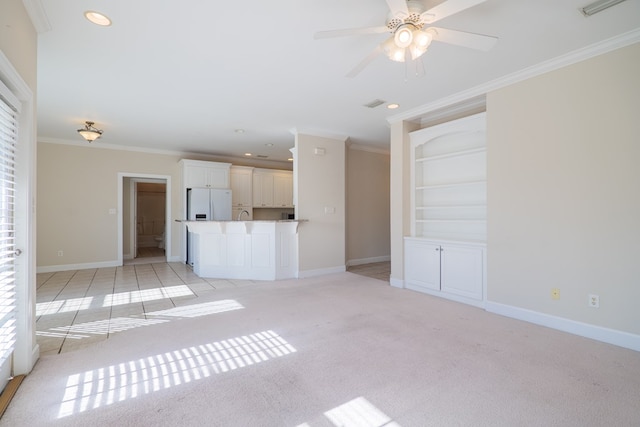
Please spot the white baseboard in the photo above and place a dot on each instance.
(321, 271)
(66, 267)
(396, 283)
(175, 259)
(370, 260)
(598, 333)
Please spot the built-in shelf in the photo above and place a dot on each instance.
(452, 184)
(451, 155)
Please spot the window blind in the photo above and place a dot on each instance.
(8, 139)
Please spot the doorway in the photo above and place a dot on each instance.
(144, 224)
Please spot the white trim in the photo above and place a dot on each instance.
(445, 295)
(168, 202)
(370, 260)
(319, 134)
(273, 164)
(570, 58)
(38, 15)
(369, 149)
(321, 272)
(396, 283)
(83, 266)
(598, 333)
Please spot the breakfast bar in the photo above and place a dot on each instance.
(254, 250)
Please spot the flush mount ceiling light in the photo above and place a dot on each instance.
(598, 6)
(392, 106)
(89, 132)
(97, 18)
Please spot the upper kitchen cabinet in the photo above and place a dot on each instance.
(201, 174)
(242, 186)
(272, 188)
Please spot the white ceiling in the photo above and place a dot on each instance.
(183, 75)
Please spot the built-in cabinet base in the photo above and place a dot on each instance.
(451, 270)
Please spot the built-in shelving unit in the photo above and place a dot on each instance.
(446, 252)
(449, 181)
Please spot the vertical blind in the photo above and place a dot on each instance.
(8, 138)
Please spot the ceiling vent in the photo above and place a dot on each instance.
(375, 103)
(261, 156)
(598, 6)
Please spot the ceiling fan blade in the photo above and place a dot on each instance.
(448, 8)
(464, 39)
(349, 32)
(366, 61)
(398, 7)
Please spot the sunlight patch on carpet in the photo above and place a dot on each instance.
(128, 380)
(359, 413)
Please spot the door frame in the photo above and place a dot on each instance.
(140, 177)
(133, 219)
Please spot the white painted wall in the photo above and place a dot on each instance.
(321, 200)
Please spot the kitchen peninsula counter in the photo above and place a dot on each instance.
(254, 250)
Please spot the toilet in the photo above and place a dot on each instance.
(160, 240)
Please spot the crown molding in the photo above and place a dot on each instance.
(38, 15)
(319, 134)
(369, 149)
(186, 154)
(443, 105)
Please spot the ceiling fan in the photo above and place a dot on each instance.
(410, 25)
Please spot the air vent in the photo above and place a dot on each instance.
(375, 103)
(261, 156)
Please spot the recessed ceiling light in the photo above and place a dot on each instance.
(392, 106)
(239, 131)
(97, 18)
(268, 145)
(290, 159)
(248, 154)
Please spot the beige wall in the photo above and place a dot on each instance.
(564, 191)
(77, 186)
(367, 206)
(18, 40)
(320, 185)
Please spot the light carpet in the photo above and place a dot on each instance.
(336, 350)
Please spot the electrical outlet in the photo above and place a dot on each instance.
(555, 293)
(60, 253)
(594, 301)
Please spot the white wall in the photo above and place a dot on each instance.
(321, 200)
(564, 192)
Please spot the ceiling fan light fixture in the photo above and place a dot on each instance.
(393, 52)
(89, 132)
(422, 39)
(404, 35)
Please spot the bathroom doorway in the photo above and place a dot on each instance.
(144, 229)
(149, 214)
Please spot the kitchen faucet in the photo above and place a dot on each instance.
(240, 214)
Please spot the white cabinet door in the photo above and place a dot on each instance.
(199, 174)
(241, 186)
(283, 190)
(262, 190)
(462, 271)
(422, 265)
(196, 177)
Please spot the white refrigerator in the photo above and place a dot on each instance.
(206, 204)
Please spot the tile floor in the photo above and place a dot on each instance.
(376, 270)
(79, 307)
